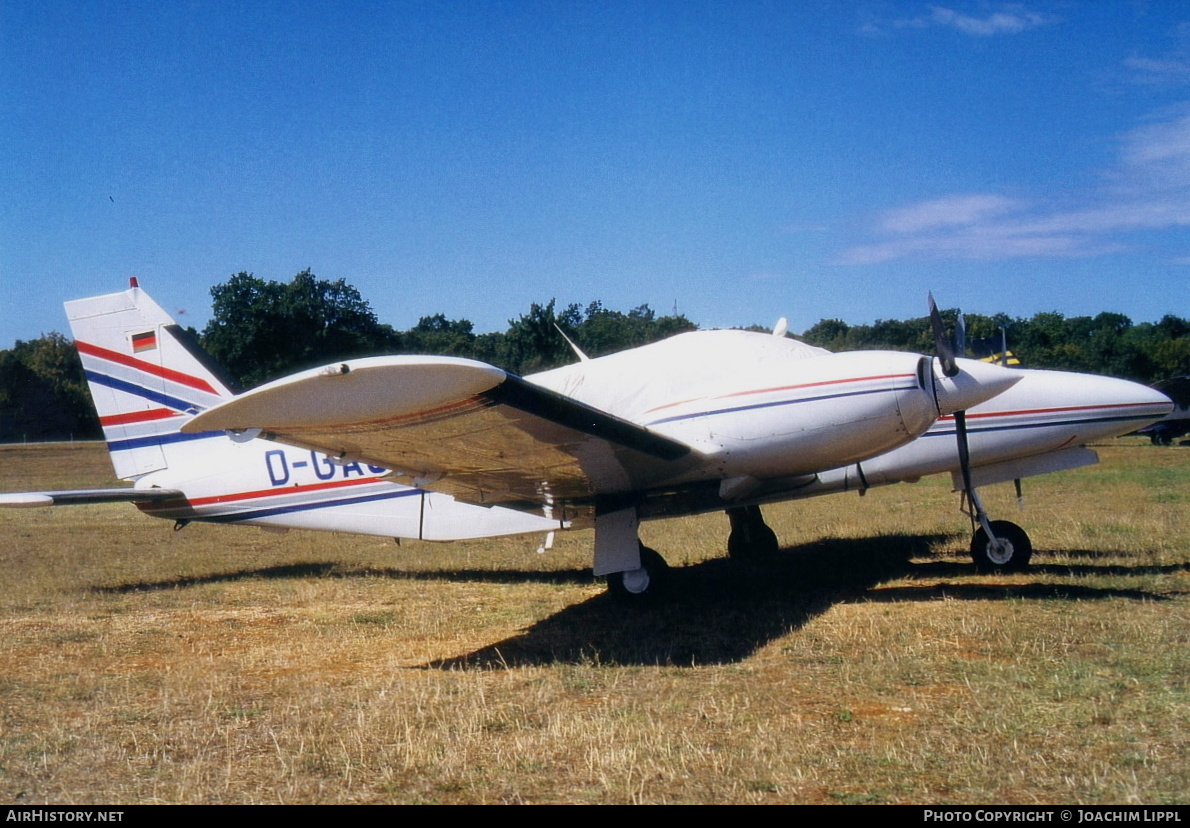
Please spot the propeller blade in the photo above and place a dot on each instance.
(943, 345)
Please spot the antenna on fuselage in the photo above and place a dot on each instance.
(782, 327)
(577, 350)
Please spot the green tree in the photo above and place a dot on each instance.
(43, 393)
(260, 330)
(532, 342)
(831, 334)
(438, 335)
(1108, 343)
(601, 331)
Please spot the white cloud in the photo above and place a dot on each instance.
(1002, 22)
(1158, 154)
(1010, 19)
(987, 242)
(949, 211)
(1148, 189)
(1151, 70)
(1172, 68)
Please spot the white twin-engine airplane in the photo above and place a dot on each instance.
(440, 448)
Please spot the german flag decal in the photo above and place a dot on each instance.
(144, 342)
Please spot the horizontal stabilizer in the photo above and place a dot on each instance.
(77, 496)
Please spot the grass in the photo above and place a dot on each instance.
(867, 663)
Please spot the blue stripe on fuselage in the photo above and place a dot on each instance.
(754, 406)
(307, 507)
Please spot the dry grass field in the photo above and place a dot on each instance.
(867, 663)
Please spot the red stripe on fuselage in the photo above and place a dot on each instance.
(147, 367)
(260, 493)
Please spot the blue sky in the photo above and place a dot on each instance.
(738, 160)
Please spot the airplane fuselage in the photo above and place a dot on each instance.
(442, 448)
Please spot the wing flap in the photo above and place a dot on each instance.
(457, 426)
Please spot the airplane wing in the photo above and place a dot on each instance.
(74, 497)
(457, 426)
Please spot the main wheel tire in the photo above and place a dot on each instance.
(1013, 555)
(750, 536)
(642, 584)
(759, 542)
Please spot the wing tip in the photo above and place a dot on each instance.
(25, 500)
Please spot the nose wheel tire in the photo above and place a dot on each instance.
(1011, 553)
(642, 584)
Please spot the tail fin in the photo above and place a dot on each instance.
(144, 377)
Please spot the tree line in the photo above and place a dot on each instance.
(260, 330)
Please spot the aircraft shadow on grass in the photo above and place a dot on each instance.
(722, 611)
(717, 611)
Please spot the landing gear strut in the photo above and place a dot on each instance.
(750, 536)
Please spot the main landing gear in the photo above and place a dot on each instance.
(635, 573)
(641, 584)
(750, 536)
(616, 540)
